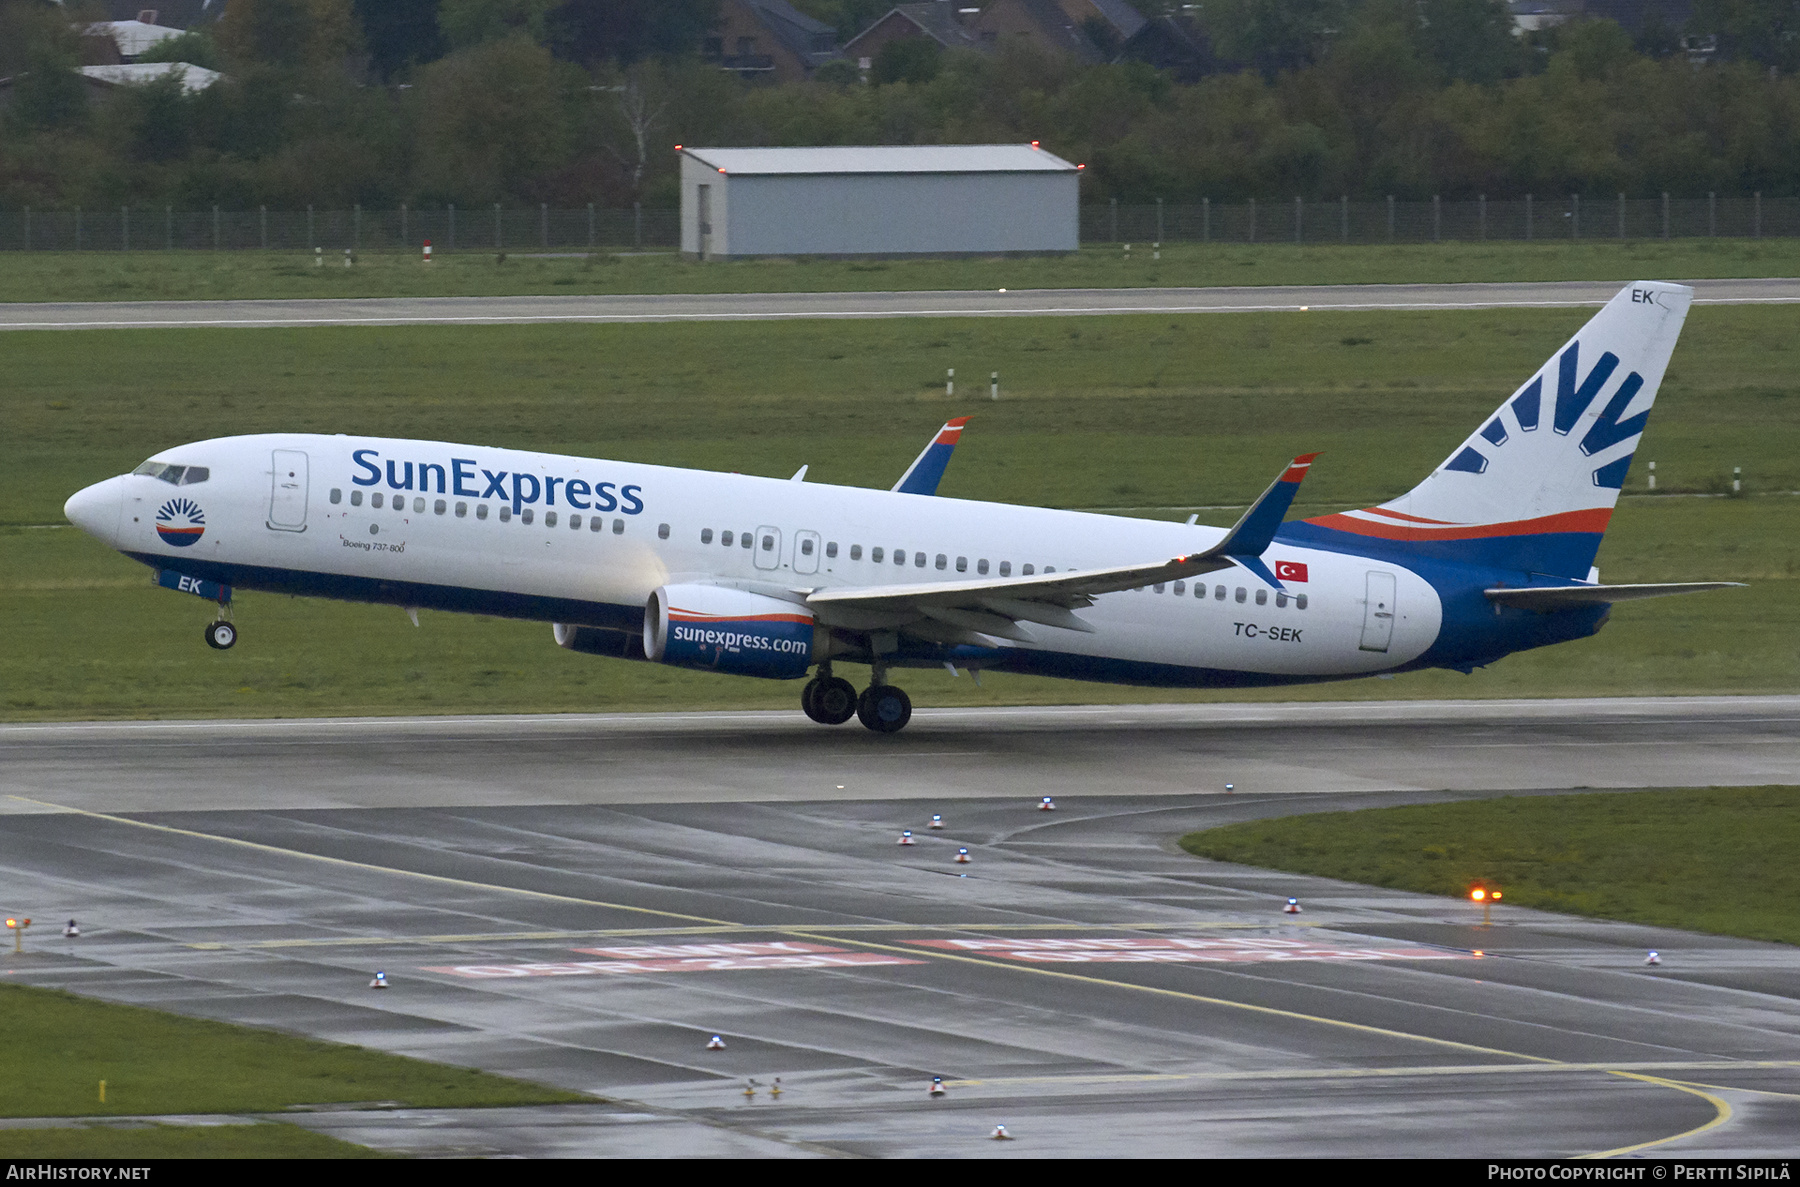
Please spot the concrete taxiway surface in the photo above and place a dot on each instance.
(393, 311)
(1080, 980)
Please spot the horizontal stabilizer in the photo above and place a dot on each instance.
(1562, 597)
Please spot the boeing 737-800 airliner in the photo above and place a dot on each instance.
(1491, 554)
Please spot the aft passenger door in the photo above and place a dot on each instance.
(1378, 612)
(287, 491)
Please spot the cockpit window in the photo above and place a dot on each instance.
(174, 475)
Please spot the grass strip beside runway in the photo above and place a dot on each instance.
(177, 1141)
(480, 272)
(1717, 859)
(60, 1047)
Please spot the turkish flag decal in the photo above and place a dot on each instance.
(1290, 570)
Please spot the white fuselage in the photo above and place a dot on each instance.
(295, 511)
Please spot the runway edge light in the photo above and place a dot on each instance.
(1292, 908)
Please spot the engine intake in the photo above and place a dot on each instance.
(729, 630)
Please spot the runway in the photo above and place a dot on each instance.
(583, 901)
(395, 311)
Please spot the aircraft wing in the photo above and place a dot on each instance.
(995, 606)
(927, 470)
(1545, 598)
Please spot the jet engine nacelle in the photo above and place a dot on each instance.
(729, 630)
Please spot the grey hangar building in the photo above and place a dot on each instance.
(937, 199)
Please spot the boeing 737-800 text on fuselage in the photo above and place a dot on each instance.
(1490, 554)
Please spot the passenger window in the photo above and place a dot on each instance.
(1199, 589)
(1159, 587)
(1180, 588)
(505, 513)
(574, 523)
(356, 498)
(875, 554)
(899, 556)
(1006, 568)
(1240, 593)
(400, 503)
(196, 474)
(419, 506)
(662, 531)
(1027, 570)
(942, 561)
(595, 523)
(743, 539)
(1281, 600)
(337, 496)
(768, 544)
(481, 511)
(706, 536)
(1262, 597)
(549, 519)
(375, 500)
(981, 566)
(525, 516)
(618, 527)
(1219, 594)
(962, 564)
(919, 560)
(1049, 568)
(806, 546)
(856, 552)
(1299, 601)
(440, 507)
(462, 511)
(830, 549)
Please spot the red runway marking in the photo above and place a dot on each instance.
(682, 958)
(1169, 950)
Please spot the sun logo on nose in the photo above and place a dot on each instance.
(180, 522)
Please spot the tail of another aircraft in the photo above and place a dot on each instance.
(1533, 488)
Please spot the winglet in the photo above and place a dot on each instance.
(1252, 534)
(927, 470)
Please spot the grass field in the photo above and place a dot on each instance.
(1151, 415)
(176, 1141)
(1715, 859)
(202, 275)
(59, 1047)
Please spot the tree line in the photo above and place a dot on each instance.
(382, 102)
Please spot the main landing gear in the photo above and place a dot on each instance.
(220, 635)
(832, 700)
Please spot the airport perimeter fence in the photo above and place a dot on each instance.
(595, 228)
(1569, 217)
(447, 228)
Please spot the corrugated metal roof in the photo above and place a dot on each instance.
(193, 78)
(909, 158)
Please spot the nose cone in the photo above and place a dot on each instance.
(96, 509)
